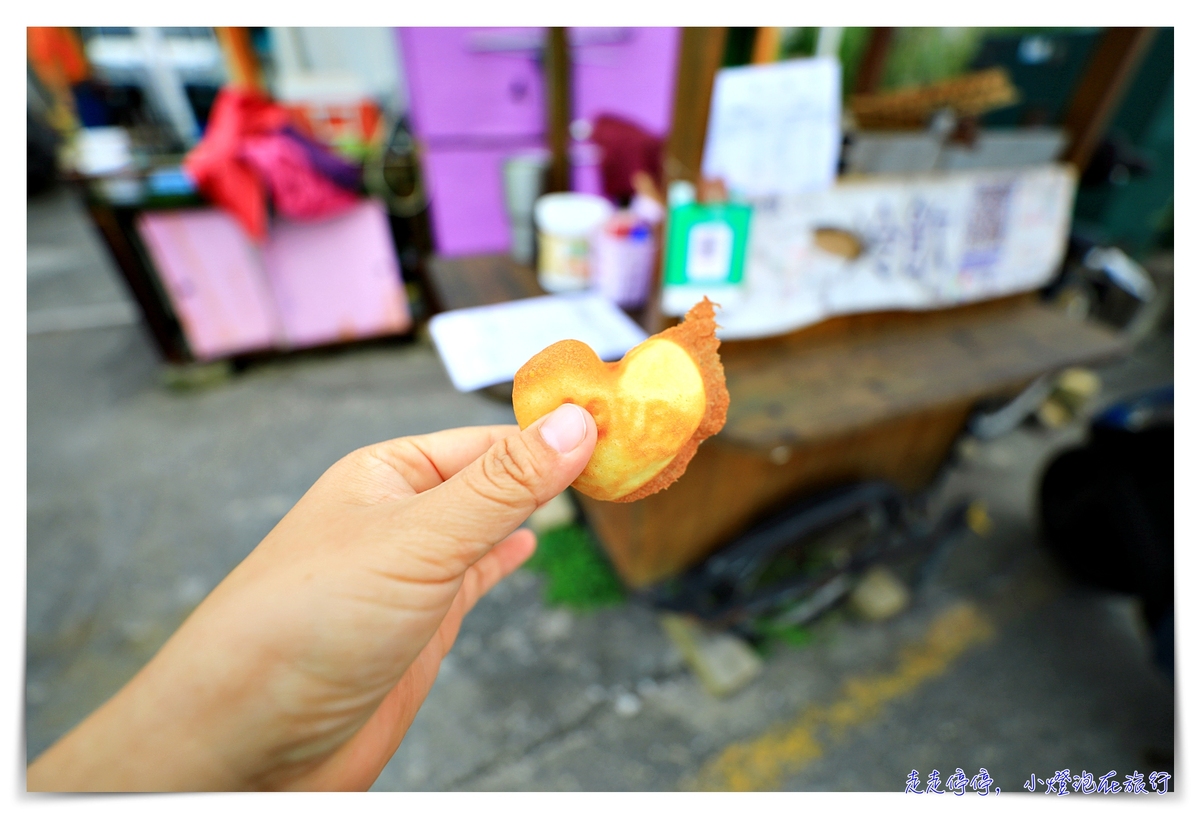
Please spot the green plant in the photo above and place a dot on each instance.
(802, 42)
(770, 634)
(577, 574)
(920, 56)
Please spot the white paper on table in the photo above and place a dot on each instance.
(775, 129)
(482, 346)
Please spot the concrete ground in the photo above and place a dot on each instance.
(140, 499)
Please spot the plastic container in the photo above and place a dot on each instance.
(623, 260)
(523, 180)
(567, 225)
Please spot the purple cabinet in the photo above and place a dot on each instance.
(478, 96)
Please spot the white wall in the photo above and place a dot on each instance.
(334, 62)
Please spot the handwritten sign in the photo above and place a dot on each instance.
(928, 242)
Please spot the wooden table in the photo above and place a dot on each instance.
(472, 281)
(882, 395)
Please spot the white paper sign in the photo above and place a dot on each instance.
(775, 129)
(482, 346)
(709, 251)
(928, 242)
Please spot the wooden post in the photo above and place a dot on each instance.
(1116, 58)
(700, 54)
(766, 46)
(240, 60)
(558, 107)
(870, 68)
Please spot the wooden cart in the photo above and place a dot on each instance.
(881, 395)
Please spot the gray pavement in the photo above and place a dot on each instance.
(141, 498)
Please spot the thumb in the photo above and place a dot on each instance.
(487, 500)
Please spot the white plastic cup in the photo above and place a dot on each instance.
(623, 265)
(567, 224)
(523, 175)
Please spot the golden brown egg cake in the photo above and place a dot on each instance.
(652, 408)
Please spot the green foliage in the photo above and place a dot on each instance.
(802, 42)
(919, 56)
(795, 635)
(851, 51)
(798, 42)
(577, 574)
(1166, 226)
(739, 46)
(770, 635)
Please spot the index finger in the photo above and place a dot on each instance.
(425, 461)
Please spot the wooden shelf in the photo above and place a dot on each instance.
(855, 372)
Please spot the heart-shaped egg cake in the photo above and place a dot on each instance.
(652, 408)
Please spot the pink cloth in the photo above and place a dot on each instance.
(216, 166)
(246, 152)
(297, 190)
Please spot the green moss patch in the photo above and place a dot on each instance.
(576, 572)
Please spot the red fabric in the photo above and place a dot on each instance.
(216, 164)
(57, 55)
(627, 148)
(243, 153)
(299, 192)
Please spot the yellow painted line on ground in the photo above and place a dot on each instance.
(763, 763)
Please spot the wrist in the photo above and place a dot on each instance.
(151, 736)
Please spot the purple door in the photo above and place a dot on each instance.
(473, 84)
(477, 96)
(466, 197)
(626, 71)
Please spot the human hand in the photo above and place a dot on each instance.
(306, 665)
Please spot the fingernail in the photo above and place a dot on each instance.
(564, 428)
